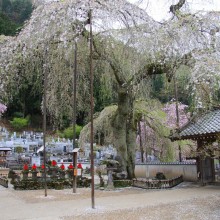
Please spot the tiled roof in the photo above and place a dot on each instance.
(205, 125)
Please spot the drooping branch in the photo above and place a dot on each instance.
(213, 33)
(147, 70)
(168, 68)
(101, 54)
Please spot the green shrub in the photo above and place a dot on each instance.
(19, 149)
(122, 183)
(19, 123)
(68, 132)
(160, 176)
(18, 114)
(11, 173)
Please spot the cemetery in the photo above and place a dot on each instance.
(26, 149)
(25, 170)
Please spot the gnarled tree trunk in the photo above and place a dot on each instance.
(124, 131)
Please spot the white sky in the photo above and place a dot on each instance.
(159, 9)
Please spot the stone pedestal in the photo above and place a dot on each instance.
(25, 175)
(34, 175)
(54, 173)
(110, 184)
(42, 174)
(70, 173)
(62, 174)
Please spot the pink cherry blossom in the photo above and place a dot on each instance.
(3, 108)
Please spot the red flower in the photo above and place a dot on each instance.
(53, 163)
(34, 167)
(42, 167)
(25, 167)
(70, 166)
(62, 166)
(79, 166)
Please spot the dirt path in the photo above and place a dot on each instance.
(188, 201)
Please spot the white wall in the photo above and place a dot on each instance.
(170, 170)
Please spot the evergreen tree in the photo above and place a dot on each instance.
(13, 14)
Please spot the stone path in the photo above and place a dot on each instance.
(187, 201)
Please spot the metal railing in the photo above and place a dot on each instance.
(157, 184)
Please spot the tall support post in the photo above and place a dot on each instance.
(74, 119)
(91, 112)
(45, 122)
(177, 113)
(141, 143)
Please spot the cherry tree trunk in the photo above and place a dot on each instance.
(125, 131)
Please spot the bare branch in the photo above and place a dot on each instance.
(175, 8)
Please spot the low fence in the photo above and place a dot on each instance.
(4, 177)
(157, 184)
(4, 181)
(2, 161)
(170, 170)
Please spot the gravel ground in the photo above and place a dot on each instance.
(187, 201)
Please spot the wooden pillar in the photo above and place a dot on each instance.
(199, 161)
(213, 168)
(205, 165)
